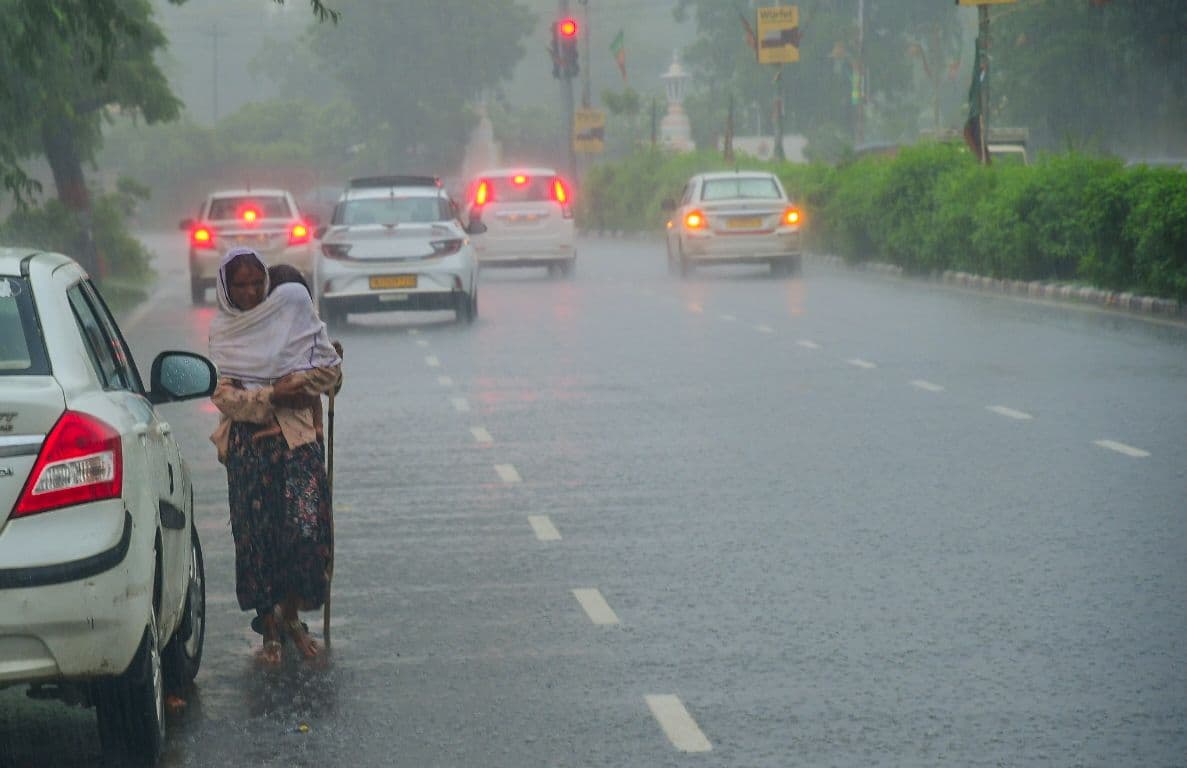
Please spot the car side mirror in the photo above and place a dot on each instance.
(186, 224)
(180, 376)
(320, 232)
(668, 205)
(475, 227)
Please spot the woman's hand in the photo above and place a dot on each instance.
(289, 392)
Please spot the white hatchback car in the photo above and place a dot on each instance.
(395, 243)
(102, 596)
(528, 213)
(266, 220)
(734, 217)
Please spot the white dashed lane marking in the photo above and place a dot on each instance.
(422, 343)
(596, 607)
(678, 725)
(859, 363)
(728, 318)
(1128, 450)
(926, 385)
(481, 435)
(508, 473)
(432, 361)
(545, 530)
(808, 344)
(1009, 413)
(764, 329)
(445, 381)
(461, 404)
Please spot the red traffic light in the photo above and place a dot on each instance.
(567, 28)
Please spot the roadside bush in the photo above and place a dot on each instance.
(124, 270)
(1070, 217)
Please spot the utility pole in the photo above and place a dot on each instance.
(585, 80)
(214, 33)
(983, 41)
(859, 91)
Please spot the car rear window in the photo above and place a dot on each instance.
(234, 207)
(521, 189)
(391, 211)
(22, 352)
(746, 188)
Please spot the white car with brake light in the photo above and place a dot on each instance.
(734, 217)
(265, 220)
(528, 213)
(102, 588)
(395, 243)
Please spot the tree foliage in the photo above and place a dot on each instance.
(817, 91)
(412, 70)
(1108, 74)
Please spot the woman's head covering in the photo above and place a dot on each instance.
(280, 335)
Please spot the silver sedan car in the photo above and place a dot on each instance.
(734, 217)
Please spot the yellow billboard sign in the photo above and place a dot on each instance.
(778, 34)
(589, 131)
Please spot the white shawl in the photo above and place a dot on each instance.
(281, 335)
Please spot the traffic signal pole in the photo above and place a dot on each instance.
(568, 106)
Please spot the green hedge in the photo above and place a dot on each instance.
(1069, 218)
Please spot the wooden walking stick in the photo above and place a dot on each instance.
(325, 616)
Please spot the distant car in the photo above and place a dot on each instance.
(528, 213)
(102, 596)
(742, 217)
(267, 220)
(396, 243)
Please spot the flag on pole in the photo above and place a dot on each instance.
(751, 40)
(618, 50)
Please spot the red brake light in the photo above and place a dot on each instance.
(791, 217)
(250, 215)
(81, 460)
(482, 194)
(519, 180)
(694, 220)
(559, 193)
(568, 28)
(299, 234)
(202, 237)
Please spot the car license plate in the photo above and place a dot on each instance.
(389, 282)
(745, 222)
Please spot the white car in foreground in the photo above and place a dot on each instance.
(528, 213)
(102, 596)
(395, 243)
(734, 217)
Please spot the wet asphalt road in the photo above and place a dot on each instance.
(630, 520)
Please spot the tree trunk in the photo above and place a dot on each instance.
(65, 161)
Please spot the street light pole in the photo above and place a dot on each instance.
(567, 106)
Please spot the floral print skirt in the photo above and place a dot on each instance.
(280, 518)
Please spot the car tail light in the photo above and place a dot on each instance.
(561, 195)
(202, 237)
(250, 215)
(299, 234)
(446, 247)
(335, 250)
(81, 460)
(483, 193)
(791, 217)
(519, 180)
(694, 220)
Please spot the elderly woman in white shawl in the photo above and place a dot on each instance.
(275, 360)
